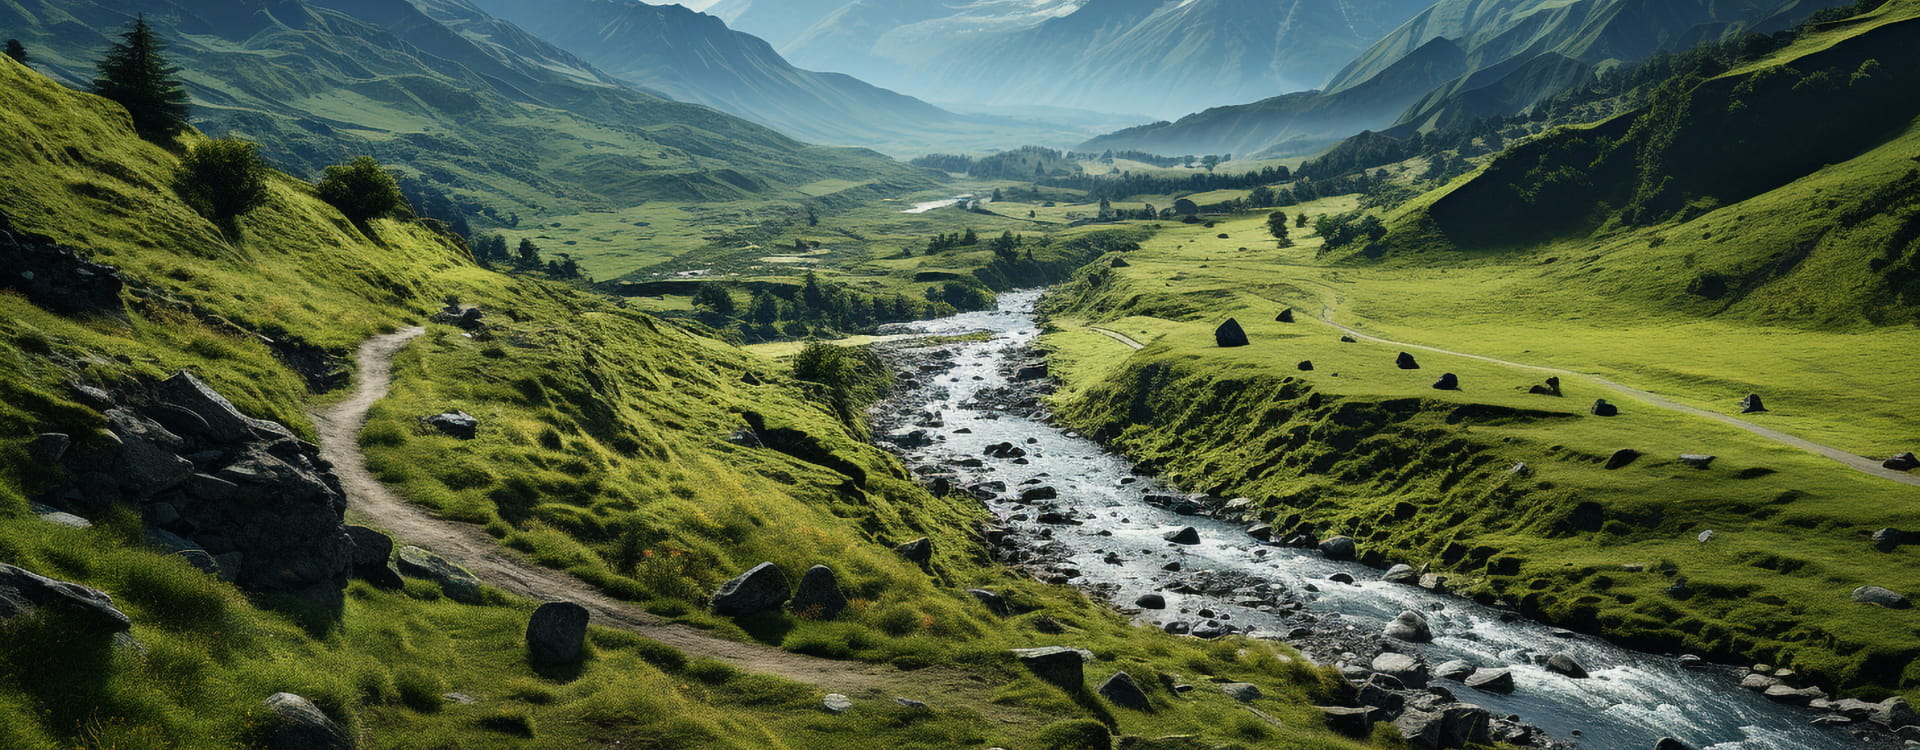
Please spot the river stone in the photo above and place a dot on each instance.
(1902, 462)
(1338, 548)
(1697, 460)
(1409, 627)
(458, 424)
(1124, 692)
(1669, 743)
(818, 597)
(918, 551)
(1230, 334)
(1603, 409)
(1449, 726)
(300, 725)
(1245, 692)
(1406, 362)
(1758, 682)
(1407, 669)
(1402, 573)
(1456, 670)
(1061, 666)
(557, 632)
(458, 584)
(1880, 596)
(1793, 696)
(1447, 382)
(1151, 601)
(1188, 535)
(23, 592)
(836, 703)
(1491, 680)
(1565, 664)
(1894, 713)
(1042, 492)
(762, 588)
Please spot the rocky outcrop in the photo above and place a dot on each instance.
(1621, 458)
(455, 582)
(297, 724)
(1060, 666)
(23, 593)
(557, 633)
(373, 557)
(1603, 409)
(54, 277)
(761, 589)
(238, 496)
(1446, 726)
(1902, 462)
(1752, 404)
(918, 551)
(1447, 382)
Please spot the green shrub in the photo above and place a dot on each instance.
(362, 190)
(223, 179)
(419, 689)
(1076, 734)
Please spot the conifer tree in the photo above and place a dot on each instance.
(135, 73)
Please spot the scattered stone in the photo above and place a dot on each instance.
(1691, 661)
(459, 699)
(372, 555)
(1409, 627)
(1902, 462)
(1043, 492)
(1230, 334)
(1245, 692)
(1406, 362)
(1402, 573)
(1888, 540)
(818, 597)
(1151, 601)
(1793, 696)
(1124, 692)
(1036, 371)
(1408, 670)
(1338, 548)
(1352, 722)
(1446, 726)
(1564, 663)
(23, 592)
(913, 704)
(1061, 666)
(1894, 713)
(1447, 382)
(1341, 578)
(1696, 460)
(1348, 340)
(760, 589)
(1187, 535)
(1491, 680)
(1680, 591)
(836, 703)
(1285, 316)
(994, 602)
(49, 447)
(918, 551)
(458, 584)
(458, 424)
(1758, 682)
(1880, 596)
(300, 725)
(1621, 458)
(1306, 365)
(1603, 409)
(1751, 404)
(60, 517)
(557, 633)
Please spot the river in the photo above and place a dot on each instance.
(1630, 700)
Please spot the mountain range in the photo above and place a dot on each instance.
(1459, 59)
(1158, 57)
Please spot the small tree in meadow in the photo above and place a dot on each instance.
(1277, 225)
(363, 191)
(223, 179)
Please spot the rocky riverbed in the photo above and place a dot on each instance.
(970, 417)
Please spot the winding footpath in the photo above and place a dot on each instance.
(339, 427)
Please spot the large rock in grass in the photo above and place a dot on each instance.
(1406, 362)
(818, 597)
(1902, 462)
(1880, 596)
(1230, 334)
(1348, 720)
(1621, 458)
(223, 422)
(918, 551)
(1285, 316)
(456, 424)
(455, 582)
(372, 556)
(1603, 409)
(1447, 382)
(557, 633)
(1060, 666)
(23, 593)
(297, 724)
(1409, 626)
(1124, 692)
(1752, 404)
(761, 589)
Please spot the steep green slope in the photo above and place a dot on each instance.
(602, 450)
(509, 123)
(1823, 125)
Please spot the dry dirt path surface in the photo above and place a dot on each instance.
(1120, 337)
(371, 502)
(1852, 461)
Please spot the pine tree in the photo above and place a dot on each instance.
(136, 75)
(529, 253)
(17, 51)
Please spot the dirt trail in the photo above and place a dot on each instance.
(371, 502)
(1120, 337)
(1852, 461)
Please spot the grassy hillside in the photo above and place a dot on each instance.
(1359, 447)
(602, 451)
(503, 122)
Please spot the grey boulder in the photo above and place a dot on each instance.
(455, 582)
(818, 597)
(1338, 548)
(1409, 626)
(762, 588)
(557, 633)
(1123, 691)
(1880, 596)
(1060, 666)
(300, 725)
(23, 592)
(456, 424)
